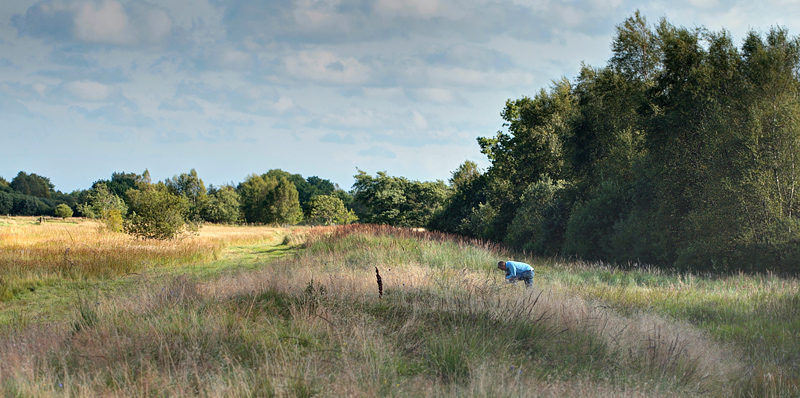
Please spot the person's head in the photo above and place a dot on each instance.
(501, 265)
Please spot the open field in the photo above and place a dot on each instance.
(312, 324)
(34, 255)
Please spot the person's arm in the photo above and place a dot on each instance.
(512, 270)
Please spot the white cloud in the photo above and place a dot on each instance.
(438, 95)
(461, 77)
(283, 104)
(352, 118)
(88, 90)
(383, 93)
(96, 22)
(107, 23)
(419, 121)
(408, 8)
(326, 67)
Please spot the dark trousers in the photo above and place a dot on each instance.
(526, 276)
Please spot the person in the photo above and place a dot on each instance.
(516, 270)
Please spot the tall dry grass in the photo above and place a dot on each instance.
(32, 254)
(313, 325)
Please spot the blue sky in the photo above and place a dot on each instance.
(315, 87)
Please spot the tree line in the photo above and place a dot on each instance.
(131, 202)
(683, 151)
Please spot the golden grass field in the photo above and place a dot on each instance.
(33, 254)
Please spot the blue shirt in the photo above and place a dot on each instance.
(515, 268)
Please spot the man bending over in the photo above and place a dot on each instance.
(516, 270)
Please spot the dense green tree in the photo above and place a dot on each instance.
(539, 223)
(221, 205)
(284, 205)
(33, 185)
(120, 183)
(396, 200)
(3, 182)
(100, 200)
(190, 186)
(464, 211)
(464, 174)
(6, 202)
(683, 151)
(532, 147)
(254, 191)
(27, 205)
(270, 198)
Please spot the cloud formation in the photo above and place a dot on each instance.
(315, 87)
(108, 22)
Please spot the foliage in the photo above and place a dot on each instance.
(459, 209)
(106, 206)
(329, 210)
(191, 187)
(6, 202)
(684, 151)
(157, 213)
(396, 200)
(63, 211)
(120, 183)
(534, 227)
(221, 205)
(284, 203)
(266, 199)
(33, 185)
(464, 174)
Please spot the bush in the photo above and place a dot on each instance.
(327, 210)
(158, 214)
(63, 211)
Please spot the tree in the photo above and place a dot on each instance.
(464, 174)
(254, 191)
(222, 205)
(157, 213)
(120, 183)
(284, 205)
(637, 53)
(3, 183)
(396, 200)
(63, 211)
(329, 210)
(6, 202)
(268, 199)
(32, 184)
(191, 187)
(100, 201)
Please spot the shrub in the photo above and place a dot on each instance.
(63, 211)
(158, 214)
(328, 209)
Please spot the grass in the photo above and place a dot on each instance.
(265, 320)
(759, 314)
(34, 255)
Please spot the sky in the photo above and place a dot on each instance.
(313, 87)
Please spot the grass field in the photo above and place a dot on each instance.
(251, 316)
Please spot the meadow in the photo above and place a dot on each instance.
(269, 312)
